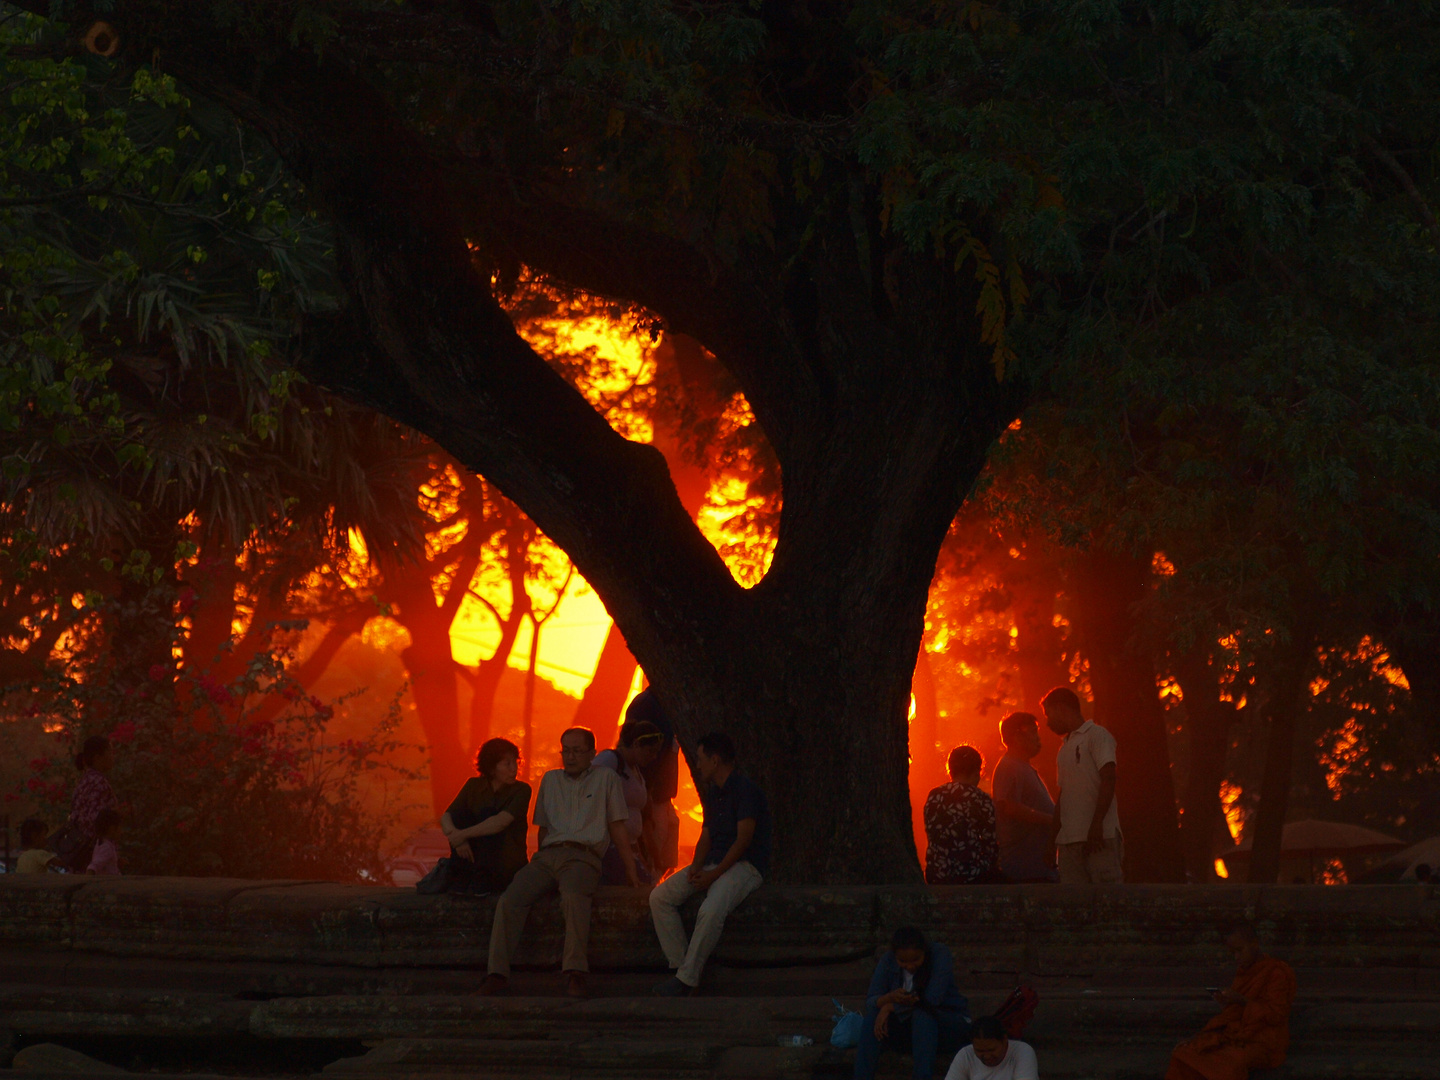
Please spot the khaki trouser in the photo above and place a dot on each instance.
(1098, 868)
(576, 873)
(723, 896)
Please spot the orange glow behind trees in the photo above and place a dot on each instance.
(999, 627)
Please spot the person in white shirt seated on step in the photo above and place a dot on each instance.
(581, 811)
(992, 1055)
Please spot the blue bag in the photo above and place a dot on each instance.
(846, 1033)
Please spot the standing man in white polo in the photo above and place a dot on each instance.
(1087, 820)
(581, 811)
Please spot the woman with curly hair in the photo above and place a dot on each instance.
(487, 821)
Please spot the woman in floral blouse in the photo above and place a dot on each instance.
(93, 794)
(960, 825)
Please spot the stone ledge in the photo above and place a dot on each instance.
(1044, 929)
(1062, 1019)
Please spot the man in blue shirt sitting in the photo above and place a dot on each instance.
(730, 862)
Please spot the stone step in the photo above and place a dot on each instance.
(613, 1056)
(258, 981)
(1050, 929)
(1070, 1064)
(807, 1064)
(1142, 1016)
(620, 1057)
(29, 1010)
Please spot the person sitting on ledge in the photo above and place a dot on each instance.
(731, 859)
(581, 811)
(1253, 1031)
(34, 859)
(486, 822)
(913, 1006)
(960, 825)
(105, 857)
(993, 1055)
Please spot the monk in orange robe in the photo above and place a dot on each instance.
(1253, 1031)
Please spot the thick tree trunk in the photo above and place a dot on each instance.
(1289, 679)
(437, 704)
(1122, 677)
(430, 663)
(599, 709)
(485, 679)
(1208, 724)
(527, 711)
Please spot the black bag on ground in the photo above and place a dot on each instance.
(458, 875)
(437, 880)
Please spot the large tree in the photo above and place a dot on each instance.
(848, 204)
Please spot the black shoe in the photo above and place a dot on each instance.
(671, 987)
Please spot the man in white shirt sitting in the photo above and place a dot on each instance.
(992, 1055)
(581, 811)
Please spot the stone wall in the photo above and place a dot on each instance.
(1054, 929)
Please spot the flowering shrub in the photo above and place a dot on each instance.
(234, 780)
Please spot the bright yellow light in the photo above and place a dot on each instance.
(1230, 803)
(1221, 871)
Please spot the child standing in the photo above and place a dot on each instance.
(34, 859)
(106, 857)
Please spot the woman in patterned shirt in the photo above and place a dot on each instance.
(93, 794)
(960, 825)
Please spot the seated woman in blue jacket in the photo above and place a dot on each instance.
(913, 1005)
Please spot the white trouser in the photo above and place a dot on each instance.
(723, 896)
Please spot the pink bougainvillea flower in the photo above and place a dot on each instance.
(158, 672)
(220, 695)
(123, 732)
